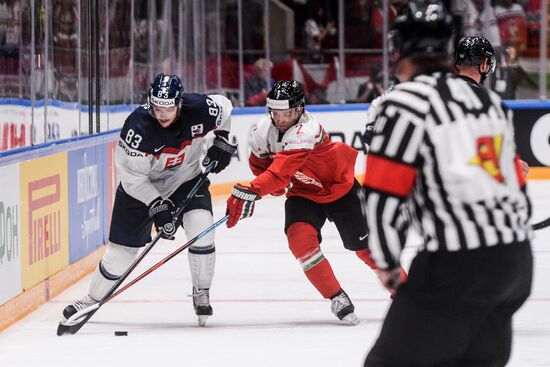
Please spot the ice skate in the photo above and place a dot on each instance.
(201, 303)
(343, 309)
(79, 305)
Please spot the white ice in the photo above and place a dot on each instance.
(265, 311)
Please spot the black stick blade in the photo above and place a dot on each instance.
(540, 225)
(63, 329)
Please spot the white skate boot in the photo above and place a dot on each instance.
(79, 305)
(201, 303)
(343, 309)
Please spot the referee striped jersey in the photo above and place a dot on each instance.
(445, 149)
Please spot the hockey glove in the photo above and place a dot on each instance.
(392, 279)
(162, 211)
(240, 204)
(221, 151)
(368, 134)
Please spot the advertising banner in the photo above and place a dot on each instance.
(10, 233)
(85, 177)
(16, 126)
(44, 218)
(532, 127)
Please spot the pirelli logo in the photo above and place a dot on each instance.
(44, 218)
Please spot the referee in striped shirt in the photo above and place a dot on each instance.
(445, 149)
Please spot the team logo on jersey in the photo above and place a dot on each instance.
(488, 155)
(197, 129)
(300, 176)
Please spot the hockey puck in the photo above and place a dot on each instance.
(121, 333)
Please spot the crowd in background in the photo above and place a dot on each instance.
(511, 26)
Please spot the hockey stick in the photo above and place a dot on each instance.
(76, 321)
(168, 258)
(69, 326)
(542, 224)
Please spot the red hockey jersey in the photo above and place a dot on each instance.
(304, 157)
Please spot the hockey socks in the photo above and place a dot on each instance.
(303, 242)
(115, 261)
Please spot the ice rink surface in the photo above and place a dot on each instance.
(265, 311)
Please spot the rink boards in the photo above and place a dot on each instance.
(56, 198)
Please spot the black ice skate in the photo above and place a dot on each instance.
(201, 303)
(342, 307)
(78, 305)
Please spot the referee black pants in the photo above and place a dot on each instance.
(456, 309)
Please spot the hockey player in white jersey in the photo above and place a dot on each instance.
(158, 162)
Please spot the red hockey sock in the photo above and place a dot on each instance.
(303, 242)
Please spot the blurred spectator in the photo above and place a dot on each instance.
(66, 87)
(377, 21)
(299, 7)
(318, 28)
(480, 21)
(255, 85)
(374, 88)
(371, 89)
(119, 24)
(252, 19)
(317, 96)
(65, 25)
(65, 42)
(504, 83)
(512, 23)
(10, 23)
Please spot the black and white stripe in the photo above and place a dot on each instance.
(433, 124)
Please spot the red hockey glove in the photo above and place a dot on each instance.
(240, 204)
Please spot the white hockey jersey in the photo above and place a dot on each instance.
(154, 161)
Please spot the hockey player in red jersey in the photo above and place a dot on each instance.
(290, 148)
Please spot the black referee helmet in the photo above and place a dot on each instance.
(424, 28)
